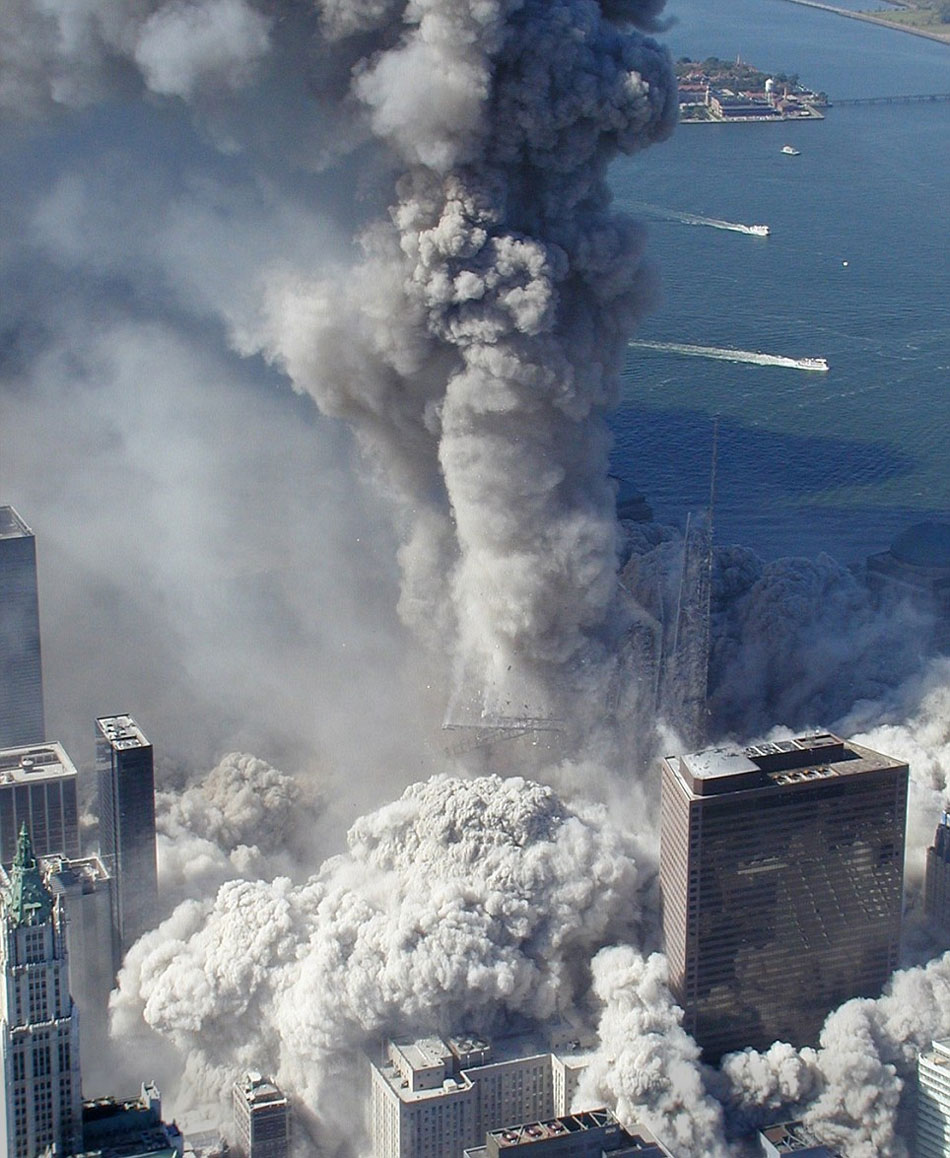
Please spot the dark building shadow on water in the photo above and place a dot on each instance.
(768, 485)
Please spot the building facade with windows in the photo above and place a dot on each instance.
(127, 825)
(933, 1102)
(433, 1098)
(22, 719)
(38, 788)
(261, 1118)
(41, 1105)
(781, 877)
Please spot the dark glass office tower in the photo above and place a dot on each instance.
(21, 674)
(127, 824)
(781, 874)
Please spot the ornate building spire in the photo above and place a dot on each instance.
(30, 901)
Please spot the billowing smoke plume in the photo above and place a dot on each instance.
(464, 903)
(477, 344)
(473, 345)
(244, 819)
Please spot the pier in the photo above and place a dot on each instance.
(916, 99)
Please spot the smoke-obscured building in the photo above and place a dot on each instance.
(38, 788)
(933, 1102)
(41, 1105)
(590, 1134)
(86, 890)
(261, 1118)
(781, 874)
(937, 880)
(22, 718)
(432, 1098)
(133, 1128)
(127, 825)
(916, 569)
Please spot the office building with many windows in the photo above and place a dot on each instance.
(261, 1118)
(22, 718)
(38, 788)
(781, 875)
(127, 825)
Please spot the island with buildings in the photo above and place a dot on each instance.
(715, 91)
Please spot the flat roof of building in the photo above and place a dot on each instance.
(12, 526)
(259, 1091)
(35, 762)
(818, 756)
(122, 732)
(62, 872)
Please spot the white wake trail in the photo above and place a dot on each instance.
(723, 354)
(662, 214)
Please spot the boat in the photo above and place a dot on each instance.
(820, 364)
(791, 151)
(759, 230)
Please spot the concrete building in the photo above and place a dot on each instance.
(432, 1098)
(781, 875)
(933, 1102)
(86, 890)
(590, 1134)
(129, 1129)
(22, 719)
(261, 1118)
(38, 788)
(916, 570)
(127, 825)
(937, 880)
(41, 1105)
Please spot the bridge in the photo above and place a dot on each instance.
(915, 99)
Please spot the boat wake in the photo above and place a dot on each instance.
(722, 354)
(662, 214)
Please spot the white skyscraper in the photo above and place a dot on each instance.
(39, 1025)
(933, 1102)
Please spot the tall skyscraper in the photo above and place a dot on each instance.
(38, 789)
(781, 875)
(39, 1026)
(21, 673)
(261, 1118)
(127, 824)
(933, 1102)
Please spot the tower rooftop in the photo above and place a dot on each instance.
(12, 526)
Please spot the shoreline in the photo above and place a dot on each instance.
(870, 18)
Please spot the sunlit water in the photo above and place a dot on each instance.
(856, 270)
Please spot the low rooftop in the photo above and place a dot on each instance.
(35, 762)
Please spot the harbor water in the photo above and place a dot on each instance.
(855, 270)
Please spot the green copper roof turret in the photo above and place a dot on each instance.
(30, 902)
